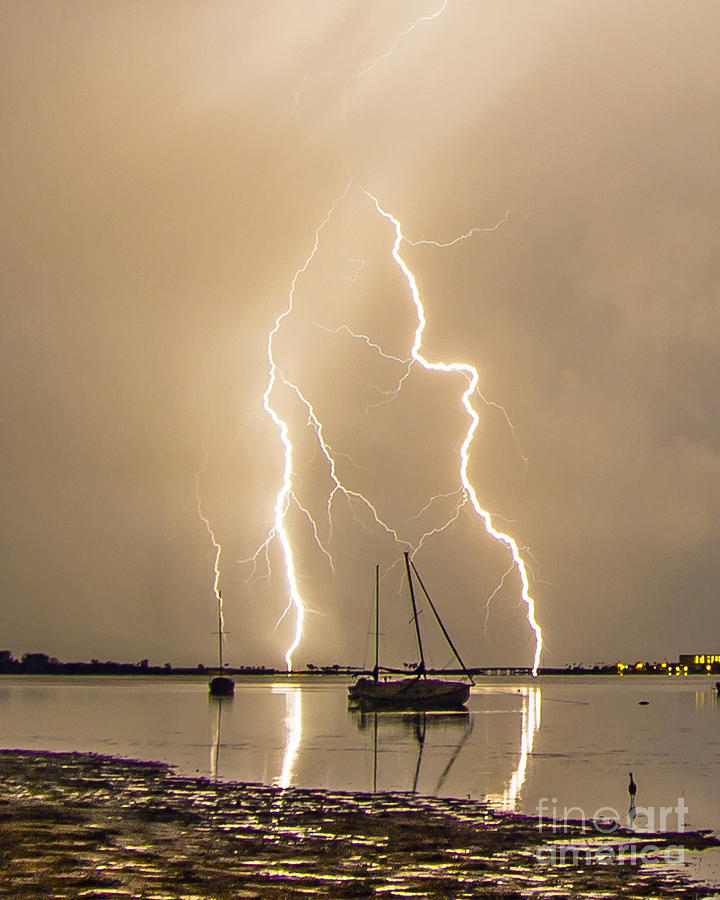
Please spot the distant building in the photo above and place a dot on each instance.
(700, 662)
(687, 664)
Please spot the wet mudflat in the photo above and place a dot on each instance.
(78, 825)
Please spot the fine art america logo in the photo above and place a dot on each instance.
(610, 844)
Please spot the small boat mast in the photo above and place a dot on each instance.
(221, 684)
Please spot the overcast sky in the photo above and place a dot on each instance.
(165, 167)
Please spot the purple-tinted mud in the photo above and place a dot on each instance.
(77, 825)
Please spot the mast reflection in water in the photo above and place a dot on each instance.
(217, 702)
(462, 724)
(417, 724)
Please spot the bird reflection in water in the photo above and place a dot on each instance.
(217, 703)
(417, 724)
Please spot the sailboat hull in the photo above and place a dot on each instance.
(408, 693)
(221, 686)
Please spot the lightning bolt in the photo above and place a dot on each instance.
(472, 378)
(216, 545)
(461, 237)
(494, 594)
(389, 395)
(366, 67)
(369, 66)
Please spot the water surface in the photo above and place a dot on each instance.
(561, 744)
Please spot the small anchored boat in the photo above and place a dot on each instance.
(418, 692)
(221, 685)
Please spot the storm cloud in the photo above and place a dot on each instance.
(165, 168)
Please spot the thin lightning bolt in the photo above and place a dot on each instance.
(471, 376)
(433, 500)
(373, 63)
(369, 66)
(462, 237)
(508, 422)
(359, 266)
(493, 595)
(216, 544)
(363, 337)
(389, 395)
(366, 67)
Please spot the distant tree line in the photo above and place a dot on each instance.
(43, 664)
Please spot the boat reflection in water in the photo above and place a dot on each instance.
(418, 724)
(430, 732)
(217, 702)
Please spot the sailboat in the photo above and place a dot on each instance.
(221, 685)
(418, 692)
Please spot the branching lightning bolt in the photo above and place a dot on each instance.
(494, 594)
(461, 237)
(464, 495)
(471, 376)
(391, 394)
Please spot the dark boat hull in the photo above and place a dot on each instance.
(221, 686)
(408, 693)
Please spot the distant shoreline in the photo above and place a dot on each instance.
(43, 664)
(111, 669)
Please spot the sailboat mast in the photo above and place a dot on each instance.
(376, 670)
(421, 668)
(220, 631)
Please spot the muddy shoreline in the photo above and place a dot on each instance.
(81, 825)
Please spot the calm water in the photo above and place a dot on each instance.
(570, 740)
